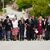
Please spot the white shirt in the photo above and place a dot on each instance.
(15, 23)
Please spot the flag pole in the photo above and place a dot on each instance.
(2, 5)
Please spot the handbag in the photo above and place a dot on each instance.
(36, 31)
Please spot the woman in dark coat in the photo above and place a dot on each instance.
(21, 25)
(1, 31)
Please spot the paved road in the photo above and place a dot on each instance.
(25, 45)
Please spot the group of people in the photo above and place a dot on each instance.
(33, 28)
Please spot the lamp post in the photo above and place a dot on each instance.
(3, 5)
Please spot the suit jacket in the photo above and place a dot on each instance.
(30, 24)
(8, 25)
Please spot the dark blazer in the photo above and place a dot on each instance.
(30, 25)
(8, 26)
(47, 26)
(21, 25)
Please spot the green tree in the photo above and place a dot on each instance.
(23, 4)
(40, 7)
(0, 5)
(5, 2)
